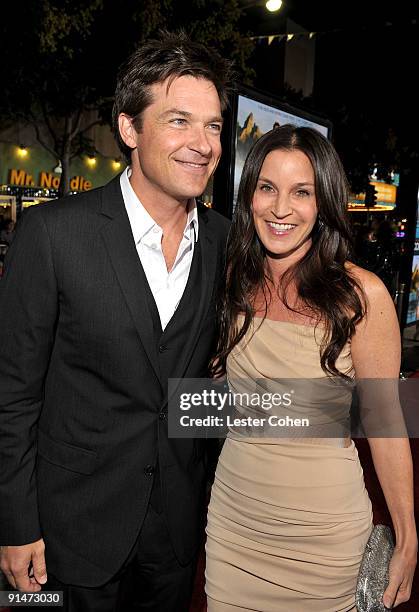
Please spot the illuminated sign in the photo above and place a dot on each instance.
(386, 195)
(46, 180)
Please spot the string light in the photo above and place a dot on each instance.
(288, 37)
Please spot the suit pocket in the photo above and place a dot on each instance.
(67, 456)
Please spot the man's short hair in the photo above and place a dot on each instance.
(170, 56)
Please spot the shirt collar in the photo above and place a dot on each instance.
(192, 220)
(141, 221)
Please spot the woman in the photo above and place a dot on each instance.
(289, 517)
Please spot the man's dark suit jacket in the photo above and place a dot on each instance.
(83, 405)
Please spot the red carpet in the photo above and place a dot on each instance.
(381, 515)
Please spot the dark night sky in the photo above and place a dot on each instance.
(328, 15)
(366, 58)
(373, 39)
(373, 51)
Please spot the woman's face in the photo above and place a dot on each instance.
(284, 204)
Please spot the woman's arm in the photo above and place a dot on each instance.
(375, 351)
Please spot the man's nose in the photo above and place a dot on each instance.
(199, 141)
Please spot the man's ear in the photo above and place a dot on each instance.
(127, 130)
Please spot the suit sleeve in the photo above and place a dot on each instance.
(28, 313)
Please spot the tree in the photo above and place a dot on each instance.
(53, 94)
(69, 52)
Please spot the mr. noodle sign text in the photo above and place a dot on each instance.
(47, 180)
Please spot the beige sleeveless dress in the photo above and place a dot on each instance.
(289, 517)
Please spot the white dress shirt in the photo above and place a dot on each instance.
(166, 286)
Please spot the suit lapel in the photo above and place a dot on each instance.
(117, 235)
(207, 275)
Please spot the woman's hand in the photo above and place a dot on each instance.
(375, 349)
(402, 569)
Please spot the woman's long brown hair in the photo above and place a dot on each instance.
(324, 285)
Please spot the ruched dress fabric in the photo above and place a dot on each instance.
(289, 518)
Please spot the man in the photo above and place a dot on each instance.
(105, 296)
(8, 233)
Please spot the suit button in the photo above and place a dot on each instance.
(162, 416)
(162, 348)
(149, 470)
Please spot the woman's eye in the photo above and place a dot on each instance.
(266, 187)
(303, 193)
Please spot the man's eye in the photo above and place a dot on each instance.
(216, 127)
(178, 121)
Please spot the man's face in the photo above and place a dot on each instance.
(178, 146)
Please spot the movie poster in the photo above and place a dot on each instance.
(413, 308)
(254, 119)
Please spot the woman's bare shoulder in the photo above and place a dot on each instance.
(369, 282)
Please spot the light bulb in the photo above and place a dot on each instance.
(273, 5)
(22, 151)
